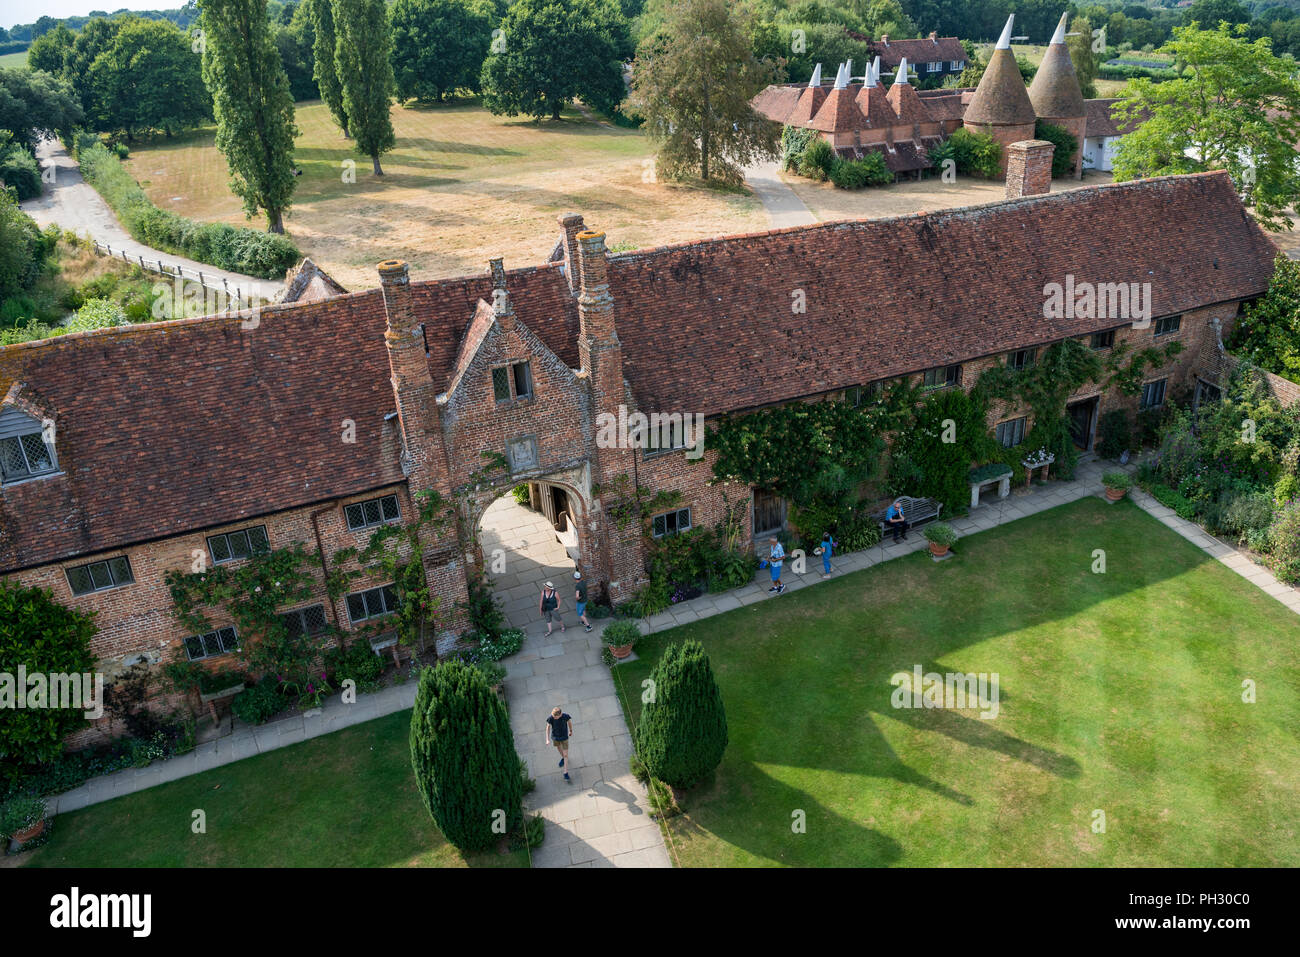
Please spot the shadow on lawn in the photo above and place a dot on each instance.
(830, 716)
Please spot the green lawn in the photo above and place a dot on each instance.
(1120, 692)
(14, 59)
(341, 800)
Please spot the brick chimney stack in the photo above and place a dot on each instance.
(571, 223)
(502, 309)
(1029, 168)
(424, 454)
(595, 304)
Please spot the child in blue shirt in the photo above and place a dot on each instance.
(775, 561)
(827, 549)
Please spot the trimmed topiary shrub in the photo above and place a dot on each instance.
(464, 757)
(682, 733)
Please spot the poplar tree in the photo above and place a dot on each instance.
(327, 78)
(682, 733)
(252, 104)
(361, 59)
(463, 754)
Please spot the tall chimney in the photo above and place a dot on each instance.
(502, 309)
(1029, 168)
(571, 223)
(595, 304)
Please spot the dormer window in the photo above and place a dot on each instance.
(24, 451)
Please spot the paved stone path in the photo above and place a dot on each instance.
(72, 203)
(601, 818)
(783, 205)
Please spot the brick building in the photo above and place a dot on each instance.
(129, 452)
(904, 124)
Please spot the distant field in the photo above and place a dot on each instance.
(461, 187)
(14, 59)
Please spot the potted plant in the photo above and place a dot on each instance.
(1116, 483)
(941, 538)
(23, 818)
(620, 637)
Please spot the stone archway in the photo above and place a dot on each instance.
(520, 548)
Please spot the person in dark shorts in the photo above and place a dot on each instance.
(559, 728)
(898, 523)
(549, 606)
(580, 599)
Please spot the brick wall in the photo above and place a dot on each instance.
(137, 621)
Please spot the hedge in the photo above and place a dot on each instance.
(238, 249)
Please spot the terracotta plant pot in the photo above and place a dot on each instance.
(937, 550)
(1115, 494)
(33, 832)
(620, 651)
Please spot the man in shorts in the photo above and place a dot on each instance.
(559, 728)
(775, 561)
(580, 599)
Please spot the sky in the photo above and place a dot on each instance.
(28, 11)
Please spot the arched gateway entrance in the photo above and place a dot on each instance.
(522, 546)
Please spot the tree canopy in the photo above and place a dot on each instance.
(551, 51)
(1235, 106)
(692, 81)
(439, 46)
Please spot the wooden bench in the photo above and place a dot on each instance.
(915, 512)
(388, 641)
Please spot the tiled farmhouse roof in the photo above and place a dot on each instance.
(777, 102)
(892, 296)
(1101, 123)
(176, 426)
(172, 426)
(926, 50)
(840, 113)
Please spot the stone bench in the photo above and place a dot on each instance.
(1003, 482)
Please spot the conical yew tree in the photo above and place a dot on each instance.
(682, 733)
(464, 757)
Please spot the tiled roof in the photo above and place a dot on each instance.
(907, 105)
(839, 114)
(918, 51)
(166, 427)
(1001, 98)
(874, 105)
(778, 102)
(1100, 121)
(809, 102)
(1054, 91)
(891, 296)
(173, 426)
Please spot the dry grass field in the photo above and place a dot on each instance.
(461, 186)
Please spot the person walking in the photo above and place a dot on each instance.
(559, 728)
(897, 520)
(776, 559)
(580, 599)
(549, 606)
(827, 548)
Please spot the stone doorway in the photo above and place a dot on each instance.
(521, 552)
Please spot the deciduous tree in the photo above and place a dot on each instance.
(551, 51)
(439, 46)
(1236, 106)
(327, 78)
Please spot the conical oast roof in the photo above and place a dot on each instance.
(1001, 98)
(1055, 91)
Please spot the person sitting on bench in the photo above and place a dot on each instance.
(897, 520)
